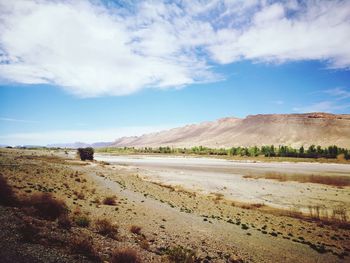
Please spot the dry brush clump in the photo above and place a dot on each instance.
(106, 228)
(180, 254)
(7, 196)
(82, 220)
(64, 221)
(109, 200)
(83, 244)
(45, 205)
(125, 255)
(135, 230)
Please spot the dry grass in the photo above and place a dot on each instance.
(83, 244)
(144, 244)
(135, 230)
(316, 213)
(217, 196)
(106, 228)
(252, 206)
(125, 255)
(46, 206)
(316, 179)
(82, 221)
(180, 254)
(7, 196)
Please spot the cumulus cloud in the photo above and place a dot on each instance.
(91, 48)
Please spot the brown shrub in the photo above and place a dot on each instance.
(64, 221)
(180, 254)
(81, 196)
(84, 245)
(144, 244)
(125, 255)
(7, 196)
(106, 228)
(46, 205)
(109, 200)
(82, 221)
(135, 230)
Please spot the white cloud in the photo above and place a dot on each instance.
(318, 31)
(16, 120)
(338, 93)
(90, 50)
(71, 136)
(323, 106)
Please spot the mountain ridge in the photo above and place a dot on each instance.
(317, 128)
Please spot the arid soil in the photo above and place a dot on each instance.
(236, 180)
(255, 130)
(214, 228)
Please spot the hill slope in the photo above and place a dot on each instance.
(288, 129)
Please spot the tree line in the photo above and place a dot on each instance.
(313, 151)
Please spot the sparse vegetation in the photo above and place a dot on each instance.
(46, 206)
(83, 245)
(317, 179)
(106, 228)
(82, 221)
(125, 255)
(7, 196)
(180, 254)
(320, 231)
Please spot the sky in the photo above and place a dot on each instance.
(92, 71)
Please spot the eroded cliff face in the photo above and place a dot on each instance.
(264, 129)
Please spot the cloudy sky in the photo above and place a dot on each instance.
(96, 70)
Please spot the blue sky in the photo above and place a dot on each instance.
(117, 70)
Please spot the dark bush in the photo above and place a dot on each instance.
(29, 232)
(125, 255)
(86, 153)
(7, 196)
(109, 200)
(64, 221)
(46, 206)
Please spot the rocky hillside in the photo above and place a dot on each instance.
(288, 129)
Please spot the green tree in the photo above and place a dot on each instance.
(86, 153)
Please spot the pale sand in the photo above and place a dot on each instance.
(207, 175)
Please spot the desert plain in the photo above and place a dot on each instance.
(209, 209)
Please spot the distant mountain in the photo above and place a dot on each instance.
(76, 145)
(264, 129)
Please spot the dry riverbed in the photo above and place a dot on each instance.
(203, 207)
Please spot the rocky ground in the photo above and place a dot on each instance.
(158, 222)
